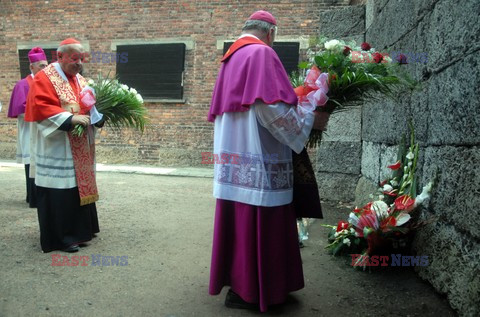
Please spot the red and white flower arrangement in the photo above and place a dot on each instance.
(389, 217)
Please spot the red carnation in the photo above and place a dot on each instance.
(342, 225)
(346, 50)
(365, 46)
(377, 57)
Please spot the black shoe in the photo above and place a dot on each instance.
(72, 248)
(234, 301)
(300, 244)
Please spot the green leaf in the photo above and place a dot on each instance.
(304, 65)
(337, 248)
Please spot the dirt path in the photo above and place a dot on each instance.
(164, 226)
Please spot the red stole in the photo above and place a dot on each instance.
(83, 151)
(241, 42)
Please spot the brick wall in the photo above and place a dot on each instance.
(177, 133)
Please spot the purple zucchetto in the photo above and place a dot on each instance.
(36, 54)
(263, 16)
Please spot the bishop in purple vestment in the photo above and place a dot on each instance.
(255, 244)
(18, 101)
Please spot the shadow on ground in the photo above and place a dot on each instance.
(163, 226)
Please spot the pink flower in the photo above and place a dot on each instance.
(315, 89)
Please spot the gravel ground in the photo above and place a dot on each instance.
(163, 224)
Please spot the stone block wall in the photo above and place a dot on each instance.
(339, 155)
(446, 117)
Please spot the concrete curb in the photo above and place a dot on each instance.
(148, 170)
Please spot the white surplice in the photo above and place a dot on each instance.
(257, 145)
(52, 160)
(23, 140)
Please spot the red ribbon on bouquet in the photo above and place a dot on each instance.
(87, 101)
(315, 88)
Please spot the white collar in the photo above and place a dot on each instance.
(59, 70)
(250, 35)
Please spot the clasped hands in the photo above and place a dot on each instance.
(85, 120)
(81, 119)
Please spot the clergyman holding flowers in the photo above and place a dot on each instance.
(63, 163)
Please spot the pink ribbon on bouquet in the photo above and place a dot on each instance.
(315, 88)
(87, 101)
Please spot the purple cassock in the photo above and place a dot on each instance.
(19, 98)
(250, 74)
(255, 251)
(255, 248)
